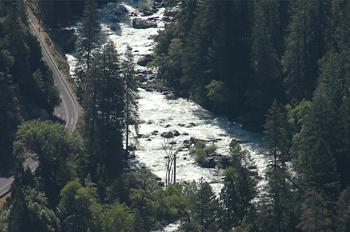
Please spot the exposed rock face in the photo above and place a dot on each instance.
(139, 23)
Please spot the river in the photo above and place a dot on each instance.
(161, 114)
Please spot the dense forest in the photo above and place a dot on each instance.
(282, 66)
(27, 89)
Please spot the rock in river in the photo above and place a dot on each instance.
(143, 61)
(176, 133)
(139, 23)
(167, 135)
(208, 162)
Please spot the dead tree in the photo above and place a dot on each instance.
(170, 164)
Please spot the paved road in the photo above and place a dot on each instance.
(68, 110)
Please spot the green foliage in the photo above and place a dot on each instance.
(76, 207)
(266, 47)
(207, 46)
(307, 42)
(315, 216)
(198, 151)
(171, 202)
(203, 210)
(201, 151)
(131, 94)
(239, 188)
(296, 114)
(320, 161)
(277, 135)
(30, 211)
(278, 188)
(118, 218)
(105, 109)
(57, 149)
(26, 86)
(343, 211)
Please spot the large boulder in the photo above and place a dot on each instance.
(176, 133)
(131, 147)
(143, 61)
(223, 161)
(208, 162)
(147, 11)
(121, 10)
(167, 135)
(139, 23)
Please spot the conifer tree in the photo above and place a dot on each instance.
(343, 211)
(104, 103)
(278, 188)
(89, 41)
(267, 80)
(131, 95)
(315, 215)
(204, 211)
(239, 187)
(307, 42)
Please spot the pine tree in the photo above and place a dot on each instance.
(239, 187)
(204, 211)
(104, 103)
(343, 212)
(278, 187)
(315, 216)
(307, 42)
(320, 161)
(267, 80)
(276, 136)
(131, 95)
(89, 40)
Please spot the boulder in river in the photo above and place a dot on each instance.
(121, 10)
(186, 143)
(176, 133)
(139, 23)
(224, 161)
(147, 11)
(131, 147)
(167, 135)
(143, 61)
(209, 162)
(166, 19)
(132, 156)
(155, 132)
(191, 124)
(170, 13)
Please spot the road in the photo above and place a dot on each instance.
(68, 110)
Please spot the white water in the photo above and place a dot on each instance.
(161, 114)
